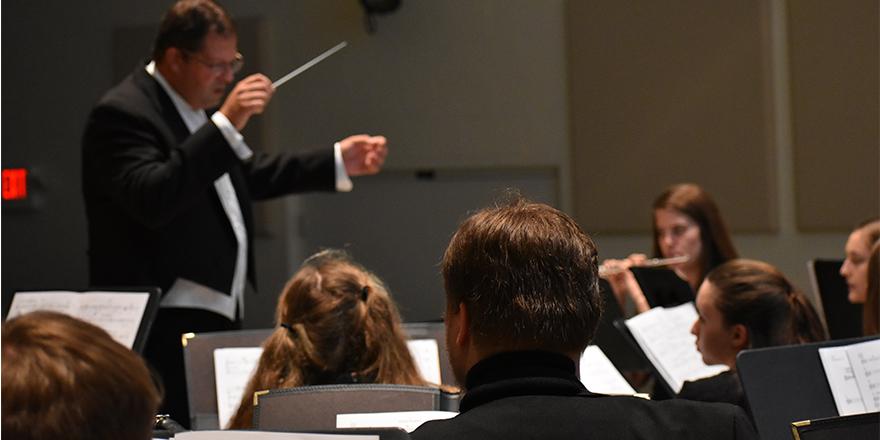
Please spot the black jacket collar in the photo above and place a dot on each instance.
(521, 373)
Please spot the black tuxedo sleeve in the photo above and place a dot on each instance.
(132, 159)
(273, 175)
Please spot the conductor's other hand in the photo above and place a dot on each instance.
(249, 97)
(363, 154)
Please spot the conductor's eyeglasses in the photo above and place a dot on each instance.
(220, 68)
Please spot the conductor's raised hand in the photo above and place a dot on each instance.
(249, 97)
(363, 154)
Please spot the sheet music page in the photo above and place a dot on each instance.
(265, 435)
(426, 354)
(118, 313)
(55, 301)
(233, 368)
(406, 420)
(865, 360)
(599, 375)
(665, 336)
(844, 387)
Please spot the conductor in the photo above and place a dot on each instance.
(168, 186)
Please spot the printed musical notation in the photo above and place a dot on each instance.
(233, 368)
(118, 313)
(853, 373)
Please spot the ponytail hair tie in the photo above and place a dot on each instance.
(364, 292)
(287, 326)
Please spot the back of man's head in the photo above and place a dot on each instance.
(65, 378)
(527, 275)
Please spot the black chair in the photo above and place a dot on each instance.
(198, 361)
(312, 408)
(842, 318)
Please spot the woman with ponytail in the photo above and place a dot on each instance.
(746, 304)
(335, 323)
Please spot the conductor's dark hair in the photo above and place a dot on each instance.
(691, 200)
(760, 297)
(186, 24)
(527, 275)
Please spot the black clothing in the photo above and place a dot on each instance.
(723, 387)
(537, 395)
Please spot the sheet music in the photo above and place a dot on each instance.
(118, 313)
(406, 420)
(599, 375)
(865, 360)
(264, 435)
(233, 368)
(844, 387)
(665, 337)
(426, 354)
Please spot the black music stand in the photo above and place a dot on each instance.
(843, 318)
(787, 384)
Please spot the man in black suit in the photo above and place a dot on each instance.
(168, 187)
(522, 303)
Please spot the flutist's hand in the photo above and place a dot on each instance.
(249, 97)
(622, 281)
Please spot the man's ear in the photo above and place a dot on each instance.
(174, 59)
(463, 324)
(740, 337)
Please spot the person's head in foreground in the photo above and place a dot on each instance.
(64, 378)
(522, 304)
(335, 324)
(751, 304)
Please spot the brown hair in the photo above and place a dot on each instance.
(691, 200)
(336, 323)
(871, 308)
(527, 275)
(871, 229)
(65, 378)
(758, 296)
(186, 23)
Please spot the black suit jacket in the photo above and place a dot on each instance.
(536, 395)
(153, 212)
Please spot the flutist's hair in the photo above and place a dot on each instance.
(691, 200)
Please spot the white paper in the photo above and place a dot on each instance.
(665, 337)
(406, 420)
(599, 375)
(865, 360)
(233, 368)
(844, 387)
(426, 354)
(118, 313)
(263, 435)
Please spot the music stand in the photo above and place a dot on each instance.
(787, 384)
(842, 318)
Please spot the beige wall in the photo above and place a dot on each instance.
(453, 83)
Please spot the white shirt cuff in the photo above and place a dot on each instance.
(343, 182)
(235, 139)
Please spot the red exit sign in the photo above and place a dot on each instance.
(14, 184)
